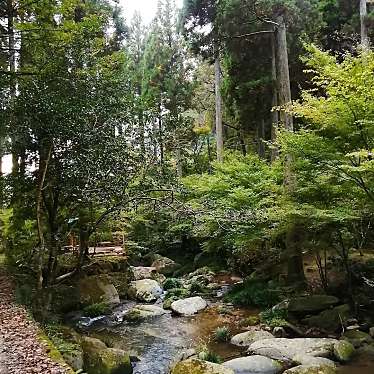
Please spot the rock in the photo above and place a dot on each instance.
(283, 305)
(283, 349)
(371, 332)
(97, 289)
(254, 365)
(312, 361)
(329, 320)
(357, 338)
(343, 351)
(245, 339)
(200, 367)
(147, 290)
(74, 359)
(308, 369)
(279, 332)
(143, 272)
(141, 312)
(98, 359)
(189, 306)
(165, 265)
(311, 304)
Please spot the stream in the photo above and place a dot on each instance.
(156, 343)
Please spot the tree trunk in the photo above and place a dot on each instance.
(178, 158)
(283, 73)
(364, 31)
(293, 242)
(43, 167)
(261, 138)
(274, 102)
(219, 125)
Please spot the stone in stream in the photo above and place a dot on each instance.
(245, 339)
(343, 351)
(99, 359)
(200, 367)
(329, 320)
(97, 289)
(165, 265)
(147, 290)
(142, 312)
(254, 365)
(357, 338)
(311, 304)
(312, 361)
(312, 369)
(285, 350)
(189, 306)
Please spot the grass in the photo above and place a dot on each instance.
(222, 334)
(96, 310)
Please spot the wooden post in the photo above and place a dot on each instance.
(364, 31)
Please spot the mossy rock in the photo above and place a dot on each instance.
(179, 293)
(343, 351)
(357, 338)
(96, 290)
(121, 282)
(330, 320)
(98, 359)
(311, 304)
(65, 299)
(200, 367)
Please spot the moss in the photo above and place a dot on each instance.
(52, 351)
(199, 367)
(96, 310)
(343, 351)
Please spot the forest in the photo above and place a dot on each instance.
(193, 195)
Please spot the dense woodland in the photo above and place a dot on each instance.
(234, 134)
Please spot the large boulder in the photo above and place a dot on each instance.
(312, 369)
(245, 339)
(285, 350)
(189, 306)
(200, 367)
(143, 272)
(343, 351)
(98, 359)
(311, 304)
(165, 265)
(357, 338)
(329, 320)
(254, 365)
(147, 290)
(97, 289)
(142, 312)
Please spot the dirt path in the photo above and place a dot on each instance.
(20, 350)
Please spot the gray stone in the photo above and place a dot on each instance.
(143, 272)
(283, 349)
(195, 366)
(165, 265)
(189, 306)
(311, 304)
(145, 290)
(97, 289)
(329, 320)
(254, 365)
(312, 361)
(308, 369)
(279, 332)
(141, 312)
(245, 339)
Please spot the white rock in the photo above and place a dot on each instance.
(145, 290)
(189, 306)
(254, 365)
(245, 339)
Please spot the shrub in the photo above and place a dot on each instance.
(222, 334)
(254, 293)
(96, 310)
(172, 283)
(274, 318)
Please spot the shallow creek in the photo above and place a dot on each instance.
(157, 342)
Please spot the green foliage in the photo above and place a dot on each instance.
(274, 318)
(222, 334)
(171, 283)
(57, 334)
(205, 354)
(254, 293)
(96, 310)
